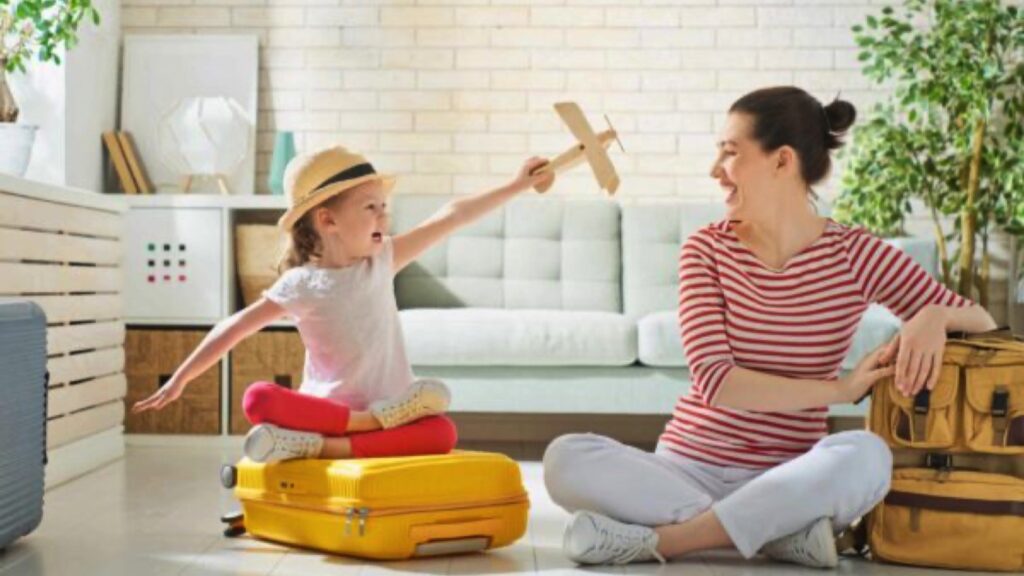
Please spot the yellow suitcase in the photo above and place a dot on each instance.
(383, 508)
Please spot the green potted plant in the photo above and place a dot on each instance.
(31, 29)
(951, 135)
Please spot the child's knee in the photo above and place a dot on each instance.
(446, 433)
(257, 400)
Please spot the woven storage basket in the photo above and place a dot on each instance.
(151, 357)
(272, 355)
(257, 248)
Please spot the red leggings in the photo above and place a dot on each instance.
(266, 402)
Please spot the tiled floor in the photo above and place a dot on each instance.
(156, 512)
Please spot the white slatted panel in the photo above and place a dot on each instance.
(66, 256)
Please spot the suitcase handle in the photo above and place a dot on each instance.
(447, 531)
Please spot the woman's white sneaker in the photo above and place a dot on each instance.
(269, 443)
(814, 546)
(423, 398)
(591, 538)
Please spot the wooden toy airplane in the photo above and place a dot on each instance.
(592, 147)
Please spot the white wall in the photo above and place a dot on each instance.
(91, 96)
(73, 104)
(454, 94)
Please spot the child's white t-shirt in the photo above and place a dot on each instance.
(348, 321)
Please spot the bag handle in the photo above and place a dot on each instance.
(1000, 333)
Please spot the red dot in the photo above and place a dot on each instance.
(181, 278)
(167, 278)
(152, 278)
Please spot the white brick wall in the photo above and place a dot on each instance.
(454, 94)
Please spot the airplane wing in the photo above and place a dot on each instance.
(596, 154)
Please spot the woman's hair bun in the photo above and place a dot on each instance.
(841, 115)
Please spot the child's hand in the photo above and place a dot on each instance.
(167, 393)
(525, 180)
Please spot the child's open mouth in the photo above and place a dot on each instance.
(378, 237)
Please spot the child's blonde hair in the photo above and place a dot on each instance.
(304, 243)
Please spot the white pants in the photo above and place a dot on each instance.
(843, 476)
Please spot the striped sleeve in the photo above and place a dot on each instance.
(889, 276)
(702, 317)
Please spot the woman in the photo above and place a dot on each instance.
(769, 301)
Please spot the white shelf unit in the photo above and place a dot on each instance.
(179, 219)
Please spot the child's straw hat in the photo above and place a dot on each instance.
(314, 177)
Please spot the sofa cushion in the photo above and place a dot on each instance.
(877, 327)
(660, 344)
(658, 340)
(651, 237)
(533, 253)
(496, 337)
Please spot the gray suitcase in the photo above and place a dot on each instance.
(23, 382)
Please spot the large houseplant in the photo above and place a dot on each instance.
(950, 136)
(31, 30)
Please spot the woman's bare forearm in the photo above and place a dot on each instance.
(970, 319)
(745, 389)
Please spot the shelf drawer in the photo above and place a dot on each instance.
(151, 357)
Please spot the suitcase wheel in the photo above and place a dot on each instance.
(235, 524)
(232, 518)
(228, 476)
(234, 531)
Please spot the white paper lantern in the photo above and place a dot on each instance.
(204, 137)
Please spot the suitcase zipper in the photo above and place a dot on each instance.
(363, 514)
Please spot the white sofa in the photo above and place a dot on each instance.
(555, 305)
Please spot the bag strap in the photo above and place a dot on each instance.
(919, 415)
(1000, 333)
(1000, 414)
(968, 505)
(988, 463)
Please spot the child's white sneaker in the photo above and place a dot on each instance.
(423, 398)
(591, 538)
(269, 443)
(814, 546)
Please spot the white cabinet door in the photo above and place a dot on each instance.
(174, 265)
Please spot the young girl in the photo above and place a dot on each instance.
(358, 396)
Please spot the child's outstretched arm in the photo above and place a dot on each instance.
(460, 212)
(221, 339)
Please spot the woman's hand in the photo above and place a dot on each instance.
(917, 350)
(526, 179)
(167, 393)
(856, 384)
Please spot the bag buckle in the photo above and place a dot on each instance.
(938, 461)
(1000, 402)
(922, 401)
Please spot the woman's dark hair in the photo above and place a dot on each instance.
(789, 116)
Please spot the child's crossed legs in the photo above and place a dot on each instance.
(346, 433)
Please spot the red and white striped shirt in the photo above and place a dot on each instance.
(797, 322)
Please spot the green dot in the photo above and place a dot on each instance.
(151, 247)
